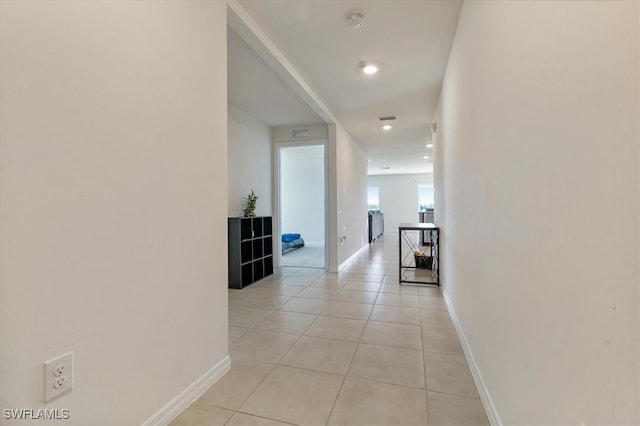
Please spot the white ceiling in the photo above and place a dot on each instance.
(256, 89)
(410, 40)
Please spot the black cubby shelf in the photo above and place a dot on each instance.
(250, 250)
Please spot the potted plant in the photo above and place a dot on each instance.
(250, 201)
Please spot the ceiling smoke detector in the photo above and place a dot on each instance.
(356, 19)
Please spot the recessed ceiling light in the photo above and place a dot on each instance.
(429, 145)
(426, 157)
(387, 127)
(370, 69)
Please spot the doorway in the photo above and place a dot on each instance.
(426, 203)
(302, 205)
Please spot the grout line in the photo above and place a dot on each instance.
(356, 267)
(455, 394)
(424, 370)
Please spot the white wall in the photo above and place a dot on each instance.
(351, 221)
(302, 192)
(113, 167)
(398, 195)
(539, 262)
(249, 162)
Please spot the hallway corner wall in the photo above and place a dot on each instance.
(537, 194)
(113, 210)
(351, 231)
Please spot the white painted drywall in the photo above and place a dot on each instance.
(249, 162)
(541, 263)
(114, 165)
(399, 197)
(351, 194)
(302, 192)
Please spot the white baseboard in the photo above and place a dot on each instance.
(188, 396)
(485, 397)
(352, 257)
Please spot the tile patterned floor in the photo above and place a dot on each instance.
(356, 348)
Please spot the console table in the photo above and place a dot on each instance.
(419, 253)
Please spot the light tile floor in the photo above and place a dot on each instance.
(355, 348)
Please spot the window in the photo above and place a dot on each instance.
(425, 197)
(373, 199)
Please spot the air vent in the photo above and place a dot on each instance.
(390, 118)
(300, 133)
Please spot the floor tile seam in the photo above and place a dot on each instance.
(273, 366)
(424, 371)
(456, 395)
(360, 337)
(294, 343)
(330, 338)
(450, 355)
(439, 328)
(341, 317)
(335, 401)
(306, 328)
(391, 384)
(314, 298)
(277, 332)
(412, 325)
(260, 291)
(396, 323)
(267, 309)
(350, 374)
(288, 332)
(263, 417)
(439, 353)
(391, 347)
(309, 369)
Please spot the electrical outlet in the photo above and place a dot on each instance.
(58, 376)
(59, 370)
(59, 382)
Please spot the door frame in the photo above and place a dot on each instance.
(277, 197)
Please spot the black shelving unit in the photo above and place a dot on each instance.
(250, 250)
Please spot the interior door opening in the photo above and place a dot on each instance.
(302, 206)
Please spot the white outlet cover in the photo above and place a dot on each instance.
(55, 368)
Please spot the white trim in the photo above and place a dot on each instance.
(184, 399)
(485, 397)
(346, 262)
